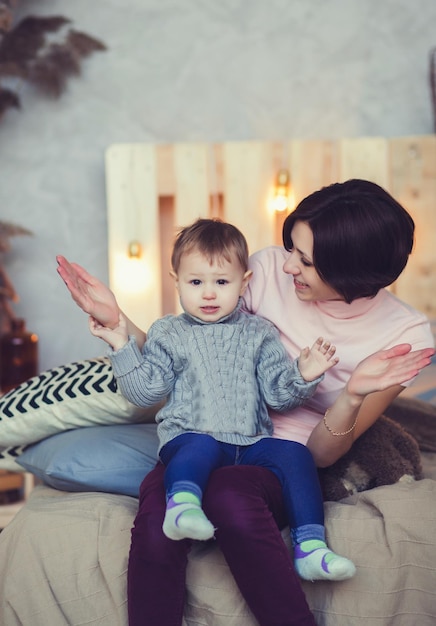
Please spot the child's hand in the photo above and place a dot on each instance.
(116, 337)
(316, 360)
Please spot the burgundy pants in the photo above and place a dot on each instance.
(245, 505)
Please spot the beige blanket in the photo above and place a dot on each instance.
(63, 562)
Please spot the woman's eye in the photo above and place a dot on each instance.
(303, 261)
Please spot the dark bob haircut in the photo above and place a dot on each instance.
(362, 236)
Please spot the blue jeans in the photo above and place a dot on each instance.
(192, 457)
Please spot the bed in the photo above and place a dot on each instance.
(63, 558)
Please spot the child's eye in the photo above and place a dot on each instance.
(195, 282)
(222, 281)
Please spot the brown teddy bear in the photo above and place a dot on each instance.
(383, 455)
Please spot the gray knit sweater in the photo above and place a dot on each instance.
(219, 377)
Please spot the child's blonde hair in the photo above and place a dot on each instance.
(214, 239)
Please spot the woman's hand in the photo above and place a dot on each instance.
(388, 368)
(373, 385)
(90, 294)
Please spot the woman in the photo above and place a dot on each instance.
(343, 245)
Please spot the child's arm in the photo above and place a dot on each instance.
(317, 360)
(281, 383)
(116, 337)
(144, 376)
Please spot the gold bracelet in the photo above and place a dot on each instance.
(333, 432)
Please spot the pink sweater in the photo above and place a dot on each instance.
(357, 330)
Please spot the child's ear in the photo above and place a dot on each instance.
(247, 276)
(174, 275)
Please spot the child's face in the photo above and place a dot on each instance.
(209, 291)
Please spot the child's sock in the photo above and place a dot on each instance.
(314, 561)
(184, 518)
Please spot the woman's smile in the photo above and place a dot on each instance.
(300, 265)
(299, 284)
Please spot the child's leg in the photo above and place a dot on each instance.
(189, 459)
(293, 464)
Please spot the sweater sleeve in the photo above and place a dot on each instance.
(146, 377)
(279, 378)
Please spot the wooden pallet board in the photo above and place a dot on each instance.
(154, 189)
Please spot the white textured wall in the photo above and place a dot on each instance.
(182, 70)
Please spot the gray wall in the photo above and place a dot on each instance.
(183, 70)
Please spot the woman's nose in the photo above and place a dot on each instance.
(290, 266)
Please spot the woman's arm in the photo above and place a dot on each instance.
(373, 385)
(94, 298)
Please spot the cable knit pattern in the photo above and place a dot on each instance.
(219, 377)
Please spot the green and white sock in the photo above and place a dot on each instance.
(315, 561)
(185, 519)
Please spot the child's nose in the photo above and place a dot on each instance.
(209, 293)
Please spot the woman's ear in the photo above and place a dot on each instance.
(246, 279)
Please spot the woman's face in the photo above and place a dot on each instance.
(299, 264)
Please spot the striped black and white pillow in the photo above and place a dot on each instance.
(76, 395)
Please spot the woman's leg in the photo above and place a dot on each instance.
(245, 504)
(157, 565)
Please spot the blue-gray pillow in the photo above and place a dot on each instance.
(113, 459)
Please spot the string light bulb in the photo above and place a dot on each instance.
(281, 199)
(134, 250)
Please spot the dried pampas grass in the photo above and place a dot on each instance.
(23, 43)
(50, 71)
(8, 99)
(8, 230)
(83, 44)
(28, 52)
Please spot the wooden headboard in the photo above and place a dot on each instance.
(153, 189)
